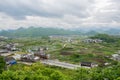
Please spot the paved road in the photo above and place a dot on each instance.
(26, 63)
(60, 64)
(56, 63)
(52, 63)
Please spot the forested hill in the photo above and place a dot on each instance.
(40, 31)
(36, 32)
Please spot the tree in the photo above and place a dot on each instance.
(2, 64)
(106, 38)
(57, 76)
(82, 74)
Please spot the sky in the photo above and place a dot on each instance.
(67, 14)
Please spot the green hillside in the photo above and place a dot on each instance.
(36, 32)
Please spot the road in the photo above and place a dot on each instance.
(52, 63)
(60, 64)
(56, 63)
(26, 63)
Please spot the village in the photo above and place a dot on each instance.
(11, 56)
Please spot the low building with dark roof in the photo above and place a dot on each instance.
(41, 54)
(88, 64)
(29, 58)
(10, 60)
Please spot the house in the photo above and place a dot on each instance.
(116, 57)
(88, 64)
(5, 52)
(10, 60)
(106, 64)
(10, 47)
(16, 56)
(29, 58)
(40, 52)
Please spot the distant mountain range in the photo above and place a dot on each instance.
(36, 32)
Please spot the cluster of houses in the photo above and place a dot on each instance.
(116, 57)
(35, 56)
(9, 47)
(29, 58)
(2, 38)
(7, 51)
(93, 41)
(11, 59)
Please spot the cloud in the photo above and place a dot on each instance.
(59, 13)
(53, 8)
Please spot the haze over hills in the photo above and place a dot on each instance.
(36, 32)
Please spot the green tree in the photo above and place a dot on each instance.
(82, 74)
(2, 64)
(57, 76)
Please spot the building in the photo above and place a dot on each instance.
(93, 41)
(5, 53)
(88, 64)
(29, 58)
(116, 57)
(10, 60)
(40, 52)
(10, 47)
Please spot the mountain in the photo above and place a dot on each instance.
(40, 31)
(103, 30)
(36, 32)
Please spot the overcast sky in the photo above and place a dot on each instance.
(59, 13)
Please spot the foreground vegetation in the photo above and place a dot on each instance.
(2, 64)
(38, 71)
